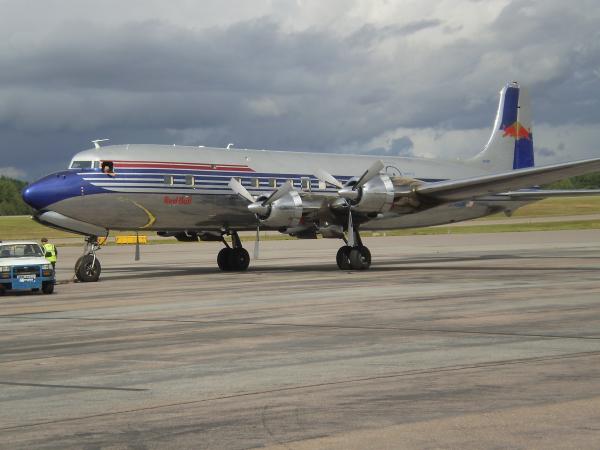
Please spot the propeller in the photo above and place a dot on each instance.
(257, 241)
(350, 192)
(326, 177)
(259, 208)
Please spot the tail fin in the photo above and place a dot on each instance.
(511, 143)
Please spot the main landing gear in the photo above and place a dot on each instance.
(87, 267)
(234, 258)
(354, 255)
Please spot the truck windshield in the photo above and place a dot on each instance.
(20, 251)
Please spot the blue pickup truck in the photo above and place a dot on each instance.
(24, 267)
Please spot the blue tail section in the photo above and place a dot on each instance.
(511, 107)
(511, 143)
(523, 153)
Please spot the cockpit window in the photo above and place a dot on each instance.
(81, 165)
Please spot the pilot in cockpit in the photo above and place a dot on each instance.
(107, 168)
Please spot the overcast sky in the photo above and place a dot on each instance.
(418, 77)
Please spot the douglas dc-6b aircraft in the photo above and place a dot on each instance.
(205, 193)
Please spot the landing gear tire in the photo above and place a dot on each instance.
(48, 287)
(343, 257)
(223, 259)
(239, 259)
(360, 258)
(353, 258)
(87, 268)
(234, 257)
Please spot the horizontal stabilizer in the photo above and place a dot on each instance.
(540, 194)
(469, 188)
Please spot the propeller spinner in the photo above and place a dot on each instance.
(259, 208)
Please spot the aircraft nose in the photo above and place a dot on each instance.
(48, 190)
(34, 196)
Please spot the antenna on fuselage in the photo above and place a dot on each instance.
(229, 146)
(97, 142)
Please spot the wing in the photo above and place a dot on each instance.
(470, 188)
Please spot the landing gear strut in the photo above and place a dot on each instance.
(87, 267)
(353, 257)
(234, 258)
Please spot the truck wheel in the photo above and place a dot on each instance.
(87, 268)
(48, 287)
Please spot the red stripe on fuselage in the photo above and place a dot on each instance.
(174, 165)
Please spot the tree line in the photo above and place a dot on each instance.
(11, 203)
(589, 181)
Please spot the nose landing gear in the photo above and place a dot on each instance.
(236, 258)
(87, 267)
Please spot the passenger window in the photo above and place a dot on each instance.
(108, 168)
(169, 180)
(189, 180)
(305, 183)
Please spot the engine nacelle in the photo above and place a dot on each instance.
(375, 196)
(285, 212)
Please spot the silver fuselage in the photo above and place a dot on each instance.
(170, 188)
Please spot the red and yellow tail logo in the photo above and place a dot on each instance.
(517, 131)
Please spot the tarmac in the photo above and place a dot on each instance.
(449, 341)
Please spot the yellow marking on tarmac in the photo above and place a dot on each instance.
(135, 239)
(151, 218)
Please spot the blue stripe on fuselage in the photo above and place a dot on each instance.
(72, 183)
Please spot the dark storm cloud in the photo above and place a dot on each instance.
(564, 42)
(252, 84)
(261, 85)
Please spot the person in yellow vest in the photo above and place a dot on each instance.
(50, 251)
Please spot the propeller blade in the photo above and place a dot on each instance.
(257, 242)
(371, 172)
(283, 189)
(240, 190)
(326, 177)
(350, 229)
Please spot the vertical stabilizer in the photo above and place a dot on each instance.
(511, 143)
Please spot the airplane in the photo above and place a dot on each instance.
(201, 193)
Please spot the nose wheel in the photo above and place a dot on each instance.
(87, 267)
(235, 258)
